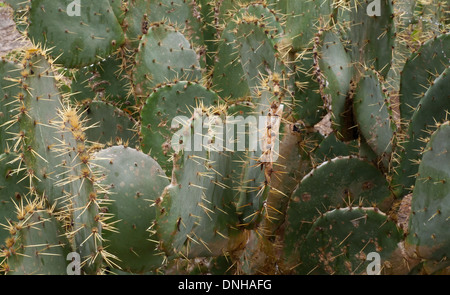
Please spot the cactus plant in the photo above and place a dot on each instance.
(77, 41)
(37, 244)
(428, 209)
(130, 222)
(164, 55)
(341, 240)
(433, 107)
(218, 137)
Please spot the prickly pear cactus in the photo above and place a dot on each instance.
(132, 206)
(37, 244)
(225, 137)
(341, 240)
(431, 192)
(77, 40)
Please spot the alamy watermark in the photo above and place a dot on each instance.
(233, 133)
(74, 8)
(74, 267)
(374, 267)
(374, 8)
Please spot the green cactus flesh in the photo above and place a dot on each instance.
(341, 240)
(134, 181)
(37, 244)
(81, 198)
(35, 108)
(109, 125)
(246, 53)
(429, 220)
(183, 14)
(165, 55)
(117, 7)
(335, 63)
(224, 11)
(433, 107)
(373, 113)
(267, 78)
(159, 114)
(105, 79)
(52, 145)
(289, 169)
(303, 20)
(13, 188)
(196, 214)
(16, 4)
(56, 157)
(362, 184)
(76, 40)
(225, 137)
(331, 148)
(8, 94)
(419, 70)
(141, 14)
(258, 165)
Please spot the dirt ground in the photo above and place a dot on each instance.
(10, 38)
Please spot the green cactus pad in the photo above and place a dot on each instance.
(81, 201)
(159, 111)
(226, 10)
(336, 65)
(341, 240)
(429, 221)
(77, 40)
(36, 108)
(110, 125)
(13, 186)
(239, 111)
(56, 157)
(330, 147)
(258, 56)
(196, 213)
(304, 18)
(249, 65)
(134, 181)
(16, 4)
(105, 79)
(253, 186)
(40, 245)
(141, 14)
(117, 6)
(366, 152)
(209, 30)
(8, 94)
(165, 55)
(370, 38)
(259, 166)
(249, 179)
(419, 71)
(228, 76)
(432, 108)
(13, 181)
(184, 14)
(308, 105)
(373, 115)
(290, 168)
(53, 147)
(362, 184)
(246, 52)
